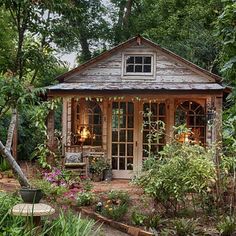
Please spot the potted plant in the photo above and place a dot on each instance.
(97, 167)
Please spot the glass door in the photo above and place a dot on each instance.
(122, 138)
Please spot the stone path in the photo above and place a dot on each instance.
(109, 231)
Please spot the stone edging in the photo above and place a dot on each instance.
(131, 230)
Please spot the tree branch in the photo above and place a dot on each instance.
(15, 167)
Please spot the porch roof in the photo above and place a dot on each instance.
(128, 86)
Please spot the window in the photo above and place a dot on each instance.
(88, 123)
(138, 65)
(193, 115)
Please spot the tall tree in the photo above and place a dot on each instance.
(226, 26)
(27, 19)
(183, 26)
(84, 28)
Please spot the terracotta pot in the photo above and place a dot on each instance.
(97, 177)
(31, 195)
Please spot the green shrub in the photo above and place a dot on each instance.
(185, 227)
(138, 218)
(117, 205)
(120, 196)
(4, 164)
(227, 226)
(85, 198)
(71, 224)
(154, 221)
(49, 189)
(150, 221)
(115, 212)
(9, 224)
(182, 169)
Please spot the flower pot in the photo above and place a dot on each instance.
(107, 174)
(97, 177)
(31, 195)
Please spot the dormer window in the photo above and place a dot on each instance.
(138, 64)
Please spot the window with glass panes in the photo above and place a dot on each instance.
(138, 64)
(89, 116)
(193, 115)
(157, 113)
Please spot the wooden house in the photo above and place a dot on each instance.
(104, 101)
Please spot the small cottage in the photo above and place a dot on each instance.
(105, 99)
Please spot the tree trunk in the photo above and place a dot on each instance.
(86, 54)
(11, 129)
(6, 152)
(24, 182)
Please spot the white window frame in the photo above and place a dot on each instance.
(143, 54)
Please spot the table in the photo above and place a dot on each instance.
(32, 210)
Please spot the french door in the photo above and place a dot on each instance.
(122, 139)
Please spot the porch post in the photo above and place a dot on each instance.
(50, 130)
(170, 119)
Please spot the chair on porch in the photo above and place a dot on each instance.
(76, 160)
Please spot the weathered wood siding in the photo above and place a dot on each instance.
(167, 69)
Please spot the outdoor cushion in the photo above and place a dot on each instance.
(73, 157)
(75, 164)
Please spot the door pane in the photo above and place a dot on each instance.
(130, 149)
(114, 163)
(122, 136)
(130, 121)
(122, 150)
(130, 135)
(115, 149)
(122, 163)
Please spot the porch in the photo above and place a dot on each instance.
(115, 125)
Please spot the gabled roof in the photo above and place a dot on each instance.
(126, 44)
(123, 86)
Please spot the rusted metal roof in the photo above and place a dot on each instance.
(119, 86)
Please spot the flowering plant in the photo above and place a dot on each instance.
(55, 177)
(98, 165)
(116, 206)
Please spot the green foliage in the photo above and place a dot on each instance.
(185, 27)
(229, 131)
(39, 116)
(227, 33)
(117, 205)
(72, 224)
(98, 165)
(50, 190)
(121, 196)
(185, 227)
(115, 212)
(9, 225)
(3, 164)
(138, 218)
(227, 226)
(182, 169)
(7, 38)
(85, 198)
(66, 224)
